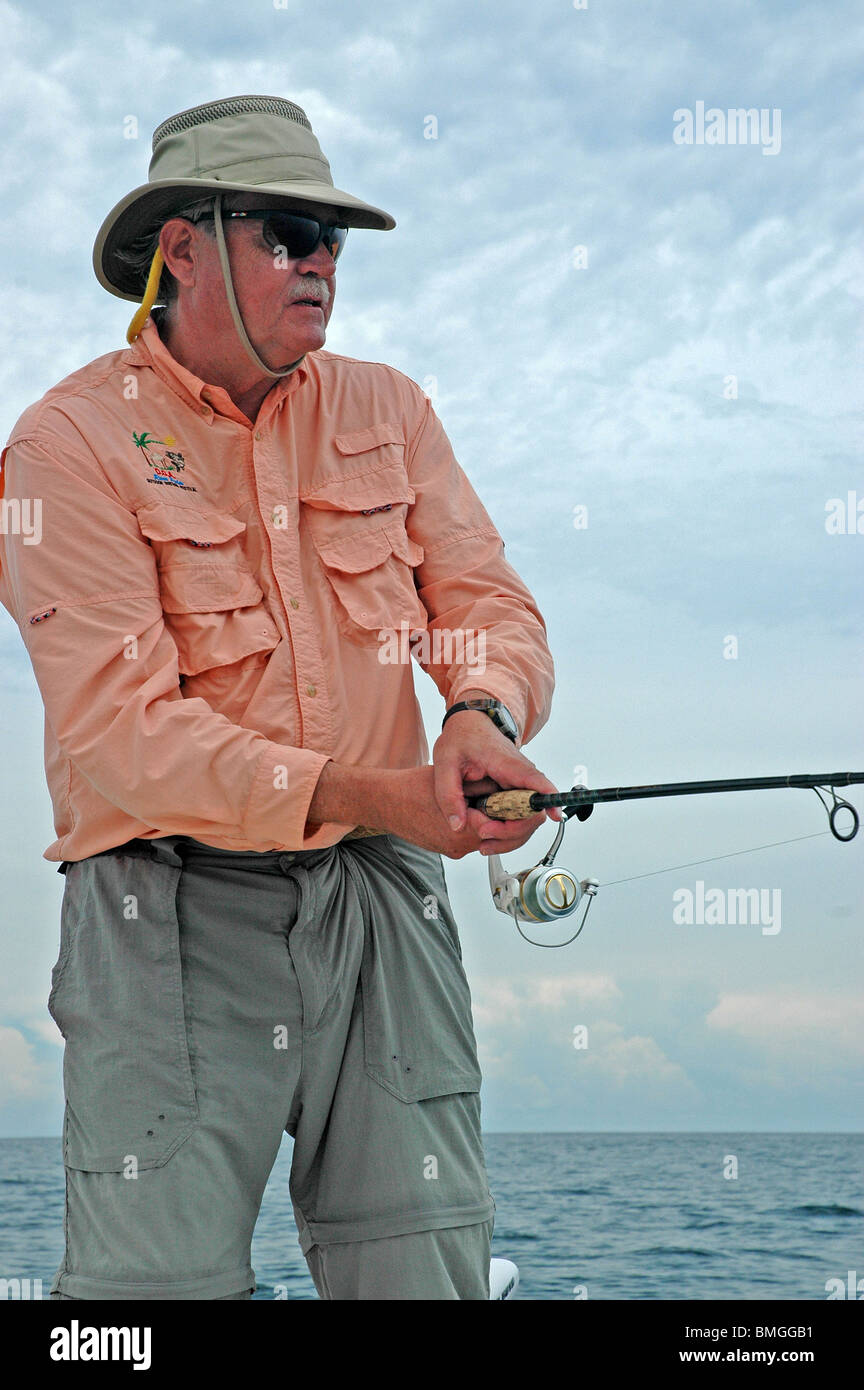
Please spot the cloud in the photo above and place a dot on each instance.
(46, 1029)
(618, 1078)
(21, 1075)
(527, 1040)
(827, 1026)
(526, 1004)
(636, 1060)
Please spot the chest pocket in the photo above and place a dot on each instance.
(213, 605)
(356, 521)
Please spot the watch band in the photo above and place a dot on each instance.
(494, 709)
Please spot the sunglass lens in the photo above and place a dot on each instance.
(334, 240)
(297, 234)
(301, 235)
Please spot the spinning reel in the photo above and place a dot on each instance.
(545, 893)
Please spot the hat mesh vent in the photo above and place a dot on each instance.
(235, 106)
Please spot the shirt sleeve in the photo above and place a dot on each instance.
(86, 599)
(485, 631)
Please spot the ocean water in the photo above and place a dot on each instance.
(602, 1216)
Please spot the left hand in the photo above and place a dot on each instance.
(471, 757)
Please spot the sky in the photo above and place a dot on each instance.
(646, 354)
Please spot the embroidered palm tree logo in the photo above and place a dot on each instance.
(171, 459)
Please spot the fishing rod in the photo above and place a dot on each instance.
(546, 893)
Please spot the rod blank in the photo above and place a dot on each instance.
(517, 805)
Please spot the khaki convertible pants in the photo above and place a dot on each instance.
(211, 1000)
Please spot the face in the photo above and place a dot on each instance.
(270, 286)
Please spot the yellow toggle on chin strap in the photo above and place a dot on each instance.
(143, 311)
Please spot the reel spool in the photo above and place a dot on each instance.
(543, 893)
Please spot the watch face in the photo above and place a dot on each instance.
(500, 716)
(505, 721)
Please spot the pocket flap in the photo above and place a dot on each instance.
(162, 522)
(202, 568)
(385, 487)
(358, 441)
(403, 546)
(356, 554)
(207, 589)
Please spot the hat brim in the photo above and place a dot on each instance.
(152, 203)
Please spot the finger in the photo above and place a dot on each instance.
(474, 770)
(447, 784)
(536, 782)
(515, 770)
(497, 844)
(502, 847)
(510, 834)
(482, 788)
(514, 839)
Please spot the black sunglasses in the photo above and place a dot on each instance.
(299, 235)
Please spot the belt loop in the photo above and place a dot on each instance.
(167, 849)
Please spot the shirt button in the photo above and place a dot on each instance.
(294, 603)
(258, 434)
(205, 410)
(311, 690)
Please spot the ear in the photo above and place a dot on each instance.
(179, 243)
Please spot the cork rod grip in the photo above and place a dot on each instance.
(510, 805)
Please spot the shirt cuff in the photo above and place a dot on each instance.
(282, 790)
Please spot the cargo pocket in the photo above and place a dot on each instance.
(356, 520)
(212, 602)
(371, 576)
(418, 1031)
(117, 998)
(70, 914)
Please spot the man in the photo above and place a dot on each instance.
(256, 935)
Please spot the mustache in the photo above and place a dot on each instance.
(311, 287)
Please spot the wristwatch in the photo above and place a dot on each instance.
(498, 713)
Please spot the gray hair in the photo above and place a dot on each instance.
(138, 255)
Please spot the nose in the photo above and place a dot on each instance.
(319, 262)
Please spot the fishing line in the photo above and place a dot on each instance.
(693, 863)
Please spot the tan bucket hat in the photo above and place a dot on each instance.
(244, 144)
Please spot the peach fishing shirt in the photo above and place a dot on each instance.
(205, 606)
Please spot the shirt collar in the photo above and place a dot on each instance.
(150, 349)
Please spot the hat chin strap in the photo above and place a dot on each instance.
(232, 299)
(142, 312)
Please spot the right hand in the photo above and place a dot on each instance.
(414, 815)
